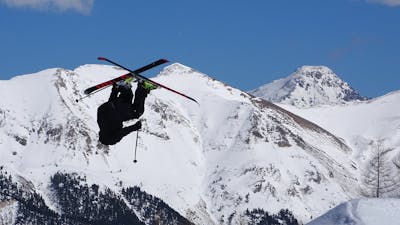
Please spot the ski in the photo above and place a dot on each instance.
(140, 77)
(105, 84)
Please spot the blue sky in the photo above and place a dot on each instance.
(243, 43)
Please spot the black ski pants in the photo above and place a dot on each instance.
(119, 108)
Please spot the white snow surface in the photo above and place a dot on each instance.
(362, 212)
(360, 124)
(308, 86)
(8, 212)
(230, 153)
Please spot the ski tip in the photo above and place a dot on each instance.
(165, 60)
(194, 100)
(101, 58)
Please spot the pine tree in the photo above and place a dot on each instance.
(380, 176)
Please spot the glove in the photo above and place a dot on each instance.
(114, 87)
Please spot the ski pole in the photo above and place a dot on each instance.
(137, 137)
(88, 95)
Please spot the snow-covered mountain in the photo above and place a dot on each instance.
(232, 159)
(309, 86)
(364, 126)
(362, 212)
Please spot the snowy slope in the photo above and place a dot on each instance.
(210, 162)
(308, 86)
(362, 212)
(245, 168)
(361, 124)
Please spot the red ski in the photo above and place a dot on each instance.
(99, 87)
(140, 77)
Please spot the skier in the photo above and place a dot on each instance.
(119, 108)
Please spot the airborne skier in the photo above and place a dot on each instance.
(119, 108)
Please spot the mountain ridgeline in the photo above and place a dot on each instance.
(309, 86)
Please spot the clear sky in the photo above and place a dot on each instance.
(245, 43)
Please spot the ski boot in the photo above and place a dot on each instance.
(147, 85)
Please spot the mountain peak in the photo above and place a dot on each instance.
(316, 72)
(309, 86)
(176, 68)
